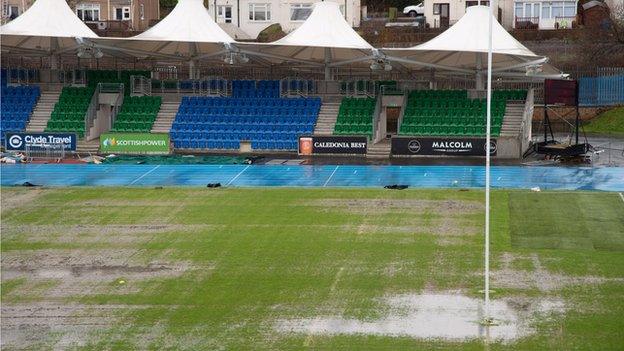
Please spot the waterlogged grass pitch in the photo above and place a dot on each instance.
(291, 269)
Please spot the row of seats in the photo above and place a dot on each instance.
(17, 104)
(199, 128)
(220, 122)
(301, 112)
(234, 135)
(278, 145)
(355, 117)
(242, 120)
(70, 111)
(451, 112)
(452, 130)
(137, 114)
(201, 101)
(253, 89)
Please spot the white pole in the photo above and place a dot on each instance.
(487, 168)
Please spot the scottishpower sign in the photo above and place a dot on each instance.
(40, 141)
(134, 143)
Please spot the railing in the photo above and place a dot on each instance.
(358, 88)
(117, 106)
(297, 87)
(527, 120)
(565, 22)
(377, 130)
(73, 77)
(91, 114)
(20, 76)
(140, 86)
(402, 113)
(526, 23)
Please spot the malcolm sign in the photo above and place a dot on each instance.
(40, 141)
(332, 145)
(416, 146)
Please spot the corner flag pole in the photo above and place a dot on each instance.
(487, 318)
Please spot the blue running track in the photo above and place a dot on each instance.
(512, 177)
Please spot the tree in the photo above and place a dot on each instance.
(604, 44)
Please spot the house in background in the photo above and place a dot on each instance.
(512, 14)
(100, 15)
(250, 17)
(444, 13)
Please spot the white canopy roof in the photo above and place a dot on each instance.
(187, 32)
(464, 47)
(325, 37)
(48, 26)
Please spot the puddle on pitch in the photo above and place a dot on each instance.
(448, 316)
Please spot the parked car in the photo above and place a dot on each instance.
(415, 10)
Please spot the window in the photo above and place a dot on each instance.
(475, 3)
(300, 12)
(518, 10)
(122, 13)
(259, 12)
(142, 11)
(224, 14)
(436, 9)
(13, 12)
(88, 12)
(557, 9)
(546, 10)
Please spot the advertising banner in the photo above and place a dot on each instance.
(40, 141)
(134, 143)
(332, 144)
(425, 146)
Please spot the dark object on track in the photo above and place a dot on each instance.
(214, 185)
(396, 187)
(29, 184)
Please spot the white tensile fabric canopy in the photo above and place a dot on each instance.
(188, 32)
(464, 46)
(324, 38)
(48, 27)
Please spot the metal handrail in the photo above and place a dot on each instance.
(376, 122)
(140, 85)
(117, 105)
(91, 113)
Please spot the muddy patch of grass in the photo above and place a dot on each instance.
(384, 206)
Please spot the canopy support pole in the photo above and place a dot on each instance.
(192, 73)
(328, 75)
(479, 75)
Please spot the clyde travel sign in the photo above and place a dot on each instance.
(40, 141)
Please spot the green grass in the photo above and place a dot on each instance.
(256, 256)
(609, 122)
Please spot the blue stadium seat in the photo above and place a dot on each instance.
(254, 112)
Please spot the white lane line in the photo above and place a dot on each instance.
(621, 196)
(330, 177)
(144, 174)
(238, 175)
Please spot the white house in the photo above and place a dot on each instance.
(521, 14)
(250, 17)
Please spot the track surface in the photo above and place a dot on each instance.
(513, 177)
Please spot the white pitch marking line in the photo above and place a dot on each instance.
(621, 196)
(308, 341)
(330, 176)
(144, 174)
(238, 175)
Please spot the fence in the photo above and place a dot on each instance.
(49, 151)
(606, 89)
